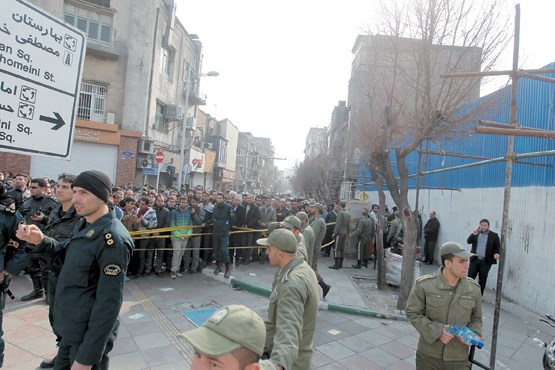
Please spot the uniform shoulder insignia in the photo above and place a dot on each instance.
(9, 211)
(425, 277)
(109, 239)
(473, 281)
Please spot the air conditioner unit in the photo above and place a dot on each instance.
(174, 113)
(144, 162)
(191, 123)
(208, 145)
(145, 147)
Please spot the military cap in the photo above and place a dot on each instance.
(282, 239)
(228, 329)
(302, 216)
(454, 249)
(292, 221)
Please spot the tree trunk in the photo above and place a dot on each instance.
(380, 255)
(409, 257)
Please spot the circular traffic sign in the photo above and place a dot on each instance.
(159, 157)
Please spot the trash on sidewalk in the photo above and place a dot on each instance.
(198, 316)
(136, 316)
(166, 289)
(252, 274)
(334, 332)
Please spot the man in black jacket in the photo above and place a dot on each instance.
(431, 229)
(485, 247)
(252, 218)
(62, 220)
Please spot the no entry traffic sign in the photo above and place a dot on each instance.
(159, 157)
(41, 63)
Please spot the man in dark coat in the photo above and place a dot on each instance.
(431, 229)
(485, 247)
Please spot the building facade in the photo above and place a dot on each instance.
(316, 142)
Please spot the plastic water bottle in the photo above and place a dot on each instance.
(469, 337)
(453, 330)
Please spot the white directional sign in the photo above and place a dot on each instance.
(41, 62)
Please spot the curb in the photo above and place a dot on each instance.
(364, 312)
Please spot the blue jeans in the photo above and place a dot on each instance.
(221, 248)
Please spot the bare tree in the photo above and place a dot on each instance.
(402, 101)
(320, 176)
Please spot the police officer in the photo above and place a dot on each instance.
(36, 210)
(9, 220)
(437, 301)
(293, 303)
(62, 220)
(231, 339)
(89, 292)
(362, 237)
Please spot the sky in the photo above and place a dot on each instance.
(284, 65)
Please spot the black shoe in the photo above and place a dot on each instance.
(336, 265)
(325, 288)
(47, 364)
(227, 272)
(358, 266)
(217, 270)
(246, 262)
(33, 295)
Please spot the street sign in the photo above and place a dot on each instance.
(159, 157)
(150, 171)
(41, 63)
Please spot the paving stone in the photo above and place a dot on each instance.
(128, 361)
(379, 357)
(153, 340)
(398, 349)
(359, 362)
(335, 351)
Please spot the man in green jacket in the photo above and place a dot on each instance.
(340, 234)
(293, 304)
(363, 236)
(440, 300)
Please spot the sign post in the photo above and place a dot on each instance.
(41, 64)
(159, 158)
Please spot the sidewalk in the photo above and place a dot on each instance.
(151, 317)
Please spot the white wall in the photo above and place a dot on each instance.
(529, 268)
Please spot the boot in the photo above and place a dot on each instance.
(341, 263)
(47, 364)
(365, 263)
(227, 272)
(37, 289)
(325, 288)
(358, 265)
(33, 295)
(336, 265)
(218, 269)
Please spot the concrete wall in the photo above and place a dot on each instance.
(529, 270)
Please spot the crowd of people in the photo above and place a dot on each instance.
(79, 239)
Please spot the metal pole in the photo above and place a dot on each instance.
(507, 192)
(184, 131)
(516, 132)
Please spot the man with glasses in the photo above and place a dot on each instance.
(36, 211)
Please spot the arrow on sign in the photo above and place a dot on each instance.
(58, 121)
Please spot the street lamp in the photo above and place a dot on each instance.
(182, 147)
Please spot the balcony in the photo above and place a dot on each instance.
(195, 98)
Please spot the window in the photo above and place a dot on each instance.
(104, 3)
(166, 66)
(160, 117)
(96, 31)
(92, 102)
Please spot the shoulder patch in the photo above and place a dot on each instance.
(425, 277)
(112, 269)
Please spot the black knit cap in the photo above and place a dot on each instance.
(96, 182)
